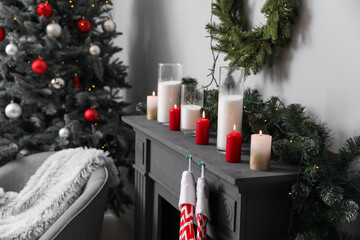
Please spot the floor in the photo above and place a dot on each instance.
(115, 228)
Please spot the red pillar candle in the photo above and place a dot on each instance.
(174, 119)
(233, 147)
(202, 130)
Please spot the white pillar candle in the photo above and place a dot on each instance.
(151, 106)
(229, 113)
(168, 96)
(189, 115)
(260, 152)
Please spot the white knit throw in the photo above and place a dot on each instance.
(57, 183)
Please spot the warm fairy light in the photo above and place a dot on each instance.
(70, 1)
(317, 167)
(260, 132)
(290, 193)
(15, 18)
(93, 5)
(95, 124)
(302, 139)
(89, 89)
(93, 86)
(234, 127)
(77, 60)
(113, 20)
(29, 62)
(233, 48)
(244, 107)
(107, 2)
(153, 93)
(203, 114)
(290, 141)
(67, 46)
(62, 62)
(265, 120)
(72, 6)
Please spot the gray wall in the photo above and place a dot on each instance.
(319, 69)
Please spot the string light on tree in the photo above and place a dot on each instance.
(94, 50)
(44, 9)
(54, 29)
(13, 110)
(11, 49)
(2, 33)
(109, 25)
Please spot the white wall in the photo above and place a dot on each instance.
(320, 69)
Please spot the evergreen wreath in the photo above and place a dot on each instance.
(252, 49)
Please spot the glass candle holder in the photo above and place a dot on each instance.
(169, 85)
(230, 105)
(192, 98)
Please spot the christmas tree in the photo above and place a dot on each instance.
(60, 82)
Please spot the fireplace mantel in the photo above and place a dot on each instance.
(244, 204)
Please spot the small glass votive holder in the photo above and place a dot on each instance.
(192, 99)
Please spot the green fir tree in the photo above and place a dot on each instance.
(57, 62)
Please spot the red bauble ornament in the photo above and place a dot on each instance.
(84, 26)
(44, 9)
(76, 82)
(2, 33)
(39, 66)
(91, 115)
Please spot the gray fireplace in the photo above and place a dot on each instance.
(244, 204)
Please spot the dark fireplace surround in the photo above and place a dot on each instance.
(244, 204)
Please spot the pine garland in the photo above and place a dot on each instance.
(326, 193)
(252, 49)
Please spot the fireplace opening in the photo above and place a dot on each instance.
(170, 221)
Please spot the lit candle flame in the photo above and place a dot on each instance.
(203, 114)
(153, 93)
(234, 127)
(175, 106)
(260, 132)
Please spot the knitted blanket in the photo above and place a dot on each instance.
(56, 184)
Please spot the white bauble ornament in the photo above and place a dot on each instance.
(64, 132)
(58, 83)
(13, 110)
(53, 29)
(94, 50)
(11, 49)
(109, 26)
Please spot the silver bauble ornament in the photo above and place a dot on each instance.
(24, 152)
(53, 29)
(13, 110)
(64, 132)
(58, 83)
(11, 49)
(109, 25)
(94, 50)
